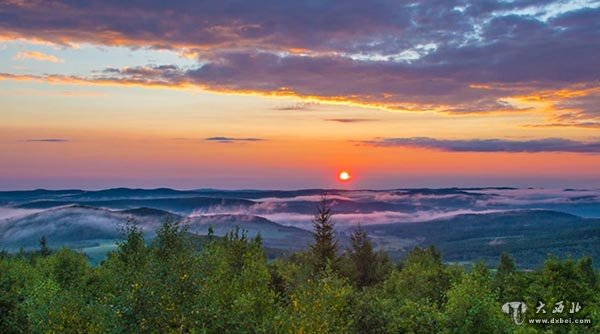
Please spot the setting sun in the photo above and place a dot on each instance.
(344, 176)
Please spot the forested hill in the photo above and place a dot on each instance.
(213, 285)
(528, 235)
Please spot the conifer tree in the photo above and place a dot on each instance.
(44, 250)
(504, 276)
(506, 265)
(211, 233)
(363, 258)
(325, 247)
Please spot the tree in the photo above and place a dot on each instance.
(211, 233)
(366, 266)
(321, 305)
(504, 279)
(362, 257)
(567, 281)
(235, 294)
(407, 301)
(472, 305)
(506, 264)
(586, 270)
(175, 281)
(44, 250)
(325, 247)
(132, 248)
(15, 280)
(69, 268)
(422, 278)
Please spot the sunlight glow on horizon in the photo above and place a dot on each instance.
(214, 103)
(344, 176)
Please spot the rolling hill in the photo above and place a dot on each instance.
(97, 229)
(528, 235)
(182, 206)
(526, 222)
(274, 235)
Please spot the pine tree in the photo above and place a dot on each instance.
(132, 251)
(363, 258)
(586, 270)
(211, 233)
(502, 281)
(258, 240)
(44, 250)
(325, 247)
(506, 265)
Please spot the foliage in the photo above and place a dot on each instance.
(170, 284)
(473, 306)
(363, 266)
(318, 306)
(422, 278)
(16, 277)
(44, 250)
(325, 247)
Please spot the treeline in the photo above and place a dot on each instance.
(169, 286)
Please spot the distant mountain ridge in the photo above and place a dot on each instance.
(183, 205)
(131, 193)
(81, 226)
(527, 222)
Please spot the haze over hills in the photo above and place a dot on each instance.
(89, 228)
(528, 235)
(182, 205)
(467, 224)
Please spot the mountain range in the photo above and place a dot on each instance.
(466, 224)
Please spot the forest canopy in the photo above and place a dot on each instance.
(177, 283)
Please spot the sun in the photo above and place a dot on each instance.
(344, 176)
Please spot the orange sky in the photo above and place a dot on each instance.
(287, 96)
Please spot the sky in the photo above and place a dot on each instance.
(287, 94)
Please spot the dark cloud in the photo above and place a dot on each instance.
(223, 23)
(423, 55)
(492, 145)
(351, 120)
(582, 110)
(168, 74)
(228, 140)
(47, 140)
(393, 85)
(585, 125)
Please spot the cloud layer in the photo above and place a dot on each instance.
(228, 140)
(36, 55)
(492, 145)
(449, 56)
(415, 205)
(351, 120)
(47, 140)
